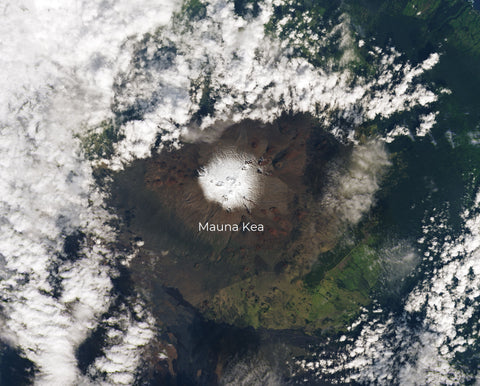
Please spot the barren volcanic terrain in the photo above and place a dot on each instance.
(243, 277)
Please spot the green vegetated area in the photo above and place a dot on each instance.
(444, 167)
(330, 296)
(413, 25)
(417, 28)
(194, 9)
(207, 99)
(337, 297)
(311, 29)
(325, 300)
(453, 19)
(98, 142)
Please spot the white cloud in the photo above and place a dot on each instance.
(352, 188)
(426, 123)
(397, 131)
(126, 338)
(58, 62)
(389, 350)
(253, 76)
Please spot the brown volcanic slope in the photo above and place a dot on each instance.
(218, 272)
(281, 157)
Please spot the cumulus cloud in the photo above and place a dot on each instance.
(127, 334)
(254, 372)
(246, 74)
(63, 65)
(443, 306)
(426, 123)
(397, 131)
(352, 189)
(58, 63)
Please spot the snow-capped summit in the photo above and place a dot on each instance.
(232, 179)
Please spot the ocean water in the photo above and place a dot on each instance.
(70, 314)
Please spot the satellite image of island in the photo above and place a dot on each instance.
(239, 192)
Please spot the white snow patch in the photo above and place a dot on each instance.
(232, 179)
